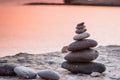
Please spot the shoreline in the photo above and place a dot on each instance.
(71, 4)
(108, 55)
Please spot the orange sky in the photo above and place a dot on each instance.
(48, 28)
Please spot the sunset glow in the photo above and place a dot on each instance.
(38, 29)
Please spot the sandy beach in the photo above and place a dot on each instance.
(108, 55)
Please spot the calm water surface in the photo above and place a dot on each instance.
(41, 29)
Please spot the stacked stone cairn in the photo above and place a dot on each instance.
(81, 55)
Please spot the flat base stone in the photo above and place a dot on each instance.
(85, 68)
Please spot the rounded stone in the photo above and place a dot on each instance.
(7, 69)
(64, 49)
(25, 72)
(85, 68)
(86, 55)
(48, 74)
(78, 31)
(81, 24)
(95, 74)
(81, 36)
(83, 44)
(80, 27)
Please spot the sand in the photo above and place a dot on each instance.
(108, 55)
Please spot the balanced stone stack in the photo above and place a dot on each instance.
(81, 55)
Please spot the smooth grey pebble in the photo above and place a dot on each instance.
(25, 72)
(81, 36)
(48, 74)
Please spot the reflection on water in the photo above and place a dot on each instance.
(38, 29)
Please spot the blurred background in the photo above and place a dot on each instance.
(47, 28)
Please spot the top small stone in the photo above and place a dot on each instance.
(80, 24)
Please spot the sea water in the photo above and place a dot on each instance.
(47, 28)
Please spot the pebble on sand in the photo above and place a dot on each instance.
(64, 49)
(7, 69)
(24, 72)
(95, 74)
(49, 74)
